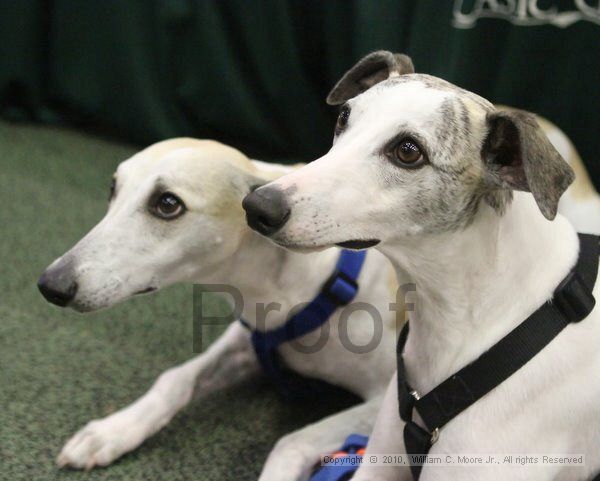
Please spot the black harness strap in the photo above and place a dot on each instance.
(572, 301)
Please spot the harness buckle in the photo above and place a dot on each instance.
(340, 288)
(435, 434)
(574, 298)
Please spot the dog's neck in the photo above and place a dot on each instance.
(476, 285)
(264, 273)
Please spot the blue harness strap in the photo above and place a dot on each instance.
(342, 465)
(340, 289)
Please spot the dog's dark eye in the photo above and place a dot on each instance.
(407, 153)
(342, 120)
(168, 206)
(113, 187)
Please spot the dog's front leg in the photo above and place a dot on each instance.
(296, 454)
(229, 360)
(386, 441)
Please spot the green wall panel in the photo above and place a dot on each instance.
(255, 73)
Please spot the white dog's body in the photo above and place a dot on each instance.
(547, 407)
(130, 251)
(482, 261)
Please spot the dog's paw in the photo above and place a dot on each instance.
(100, 442)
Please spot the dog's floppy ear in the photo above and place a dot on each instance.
(372, 69)
(519, 156)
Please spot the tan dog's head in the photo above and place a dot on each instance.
(412, 155)
(174, 214)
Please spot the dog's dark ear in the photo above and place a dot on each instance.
(372, 69)
(519, 156)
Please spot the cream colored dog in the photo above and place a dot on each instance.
(175, 215)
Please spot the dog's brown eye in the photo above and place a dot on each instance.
(169, 206)
(408, 153)
(342, 120)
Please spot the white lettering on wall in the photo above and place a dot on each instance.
(525, 12)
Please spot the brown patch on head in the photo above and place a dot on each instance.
(582, 187)
(518, 156)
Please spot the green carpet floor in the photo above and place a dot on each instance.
(59, 369)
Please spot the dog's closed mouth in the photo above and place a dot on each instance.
(359, 244)
(145, 291)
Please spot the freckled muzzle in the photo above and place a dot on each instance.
(267, 210)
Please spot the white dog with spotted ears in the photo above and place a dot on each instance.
(463, 197)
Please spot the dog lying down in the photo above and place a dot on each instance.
(175, 215)
(463, 197)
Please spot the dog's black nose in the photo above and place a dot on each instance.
(266, 210)
(57, 285)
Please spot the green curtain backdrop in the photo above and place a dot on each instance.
(255, 73)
